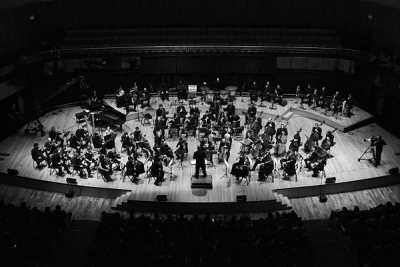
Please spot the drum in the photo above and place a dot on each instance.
(204, 92)
(232, 92)
(210, 96)
(280, 149)
(224, 94)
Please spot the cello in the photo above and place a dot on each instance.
(309, 144)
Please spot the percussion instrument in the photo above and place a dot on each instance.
(210, 96)
(204, 90)
(232, 92)
(224, 95)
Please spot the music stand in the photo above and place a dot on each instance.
(272, 102)
(262, 104)
(365, 152)
(226, 170)
(171, 175)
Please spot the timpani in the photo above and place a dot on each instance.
(210, 96)
(224, 94)
(232, 92)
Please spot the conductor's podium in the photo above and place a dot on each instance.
(201, 182)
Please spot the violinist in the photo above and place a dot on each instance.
(109, 138)
(182, 148)
(192, 124)
(230, 109)
(256, 126)
(137, 134)
(55, 135)
(234, 120)
(240, 169)
(105, 168)
(289, 166)
(182, 91)
(206, 118)
(290, 156)
(251, 113)
(131, 169)
(160, 112)
(158, 139)
(224, 150)
(89, 159)
(175, 125)
(214, 107)
(39, 156)
(282, 131)
(335, 102)
(181, 110)
(164, 93)
(347, 106)
(195, 112)
(126, 142)
(311, 159)
(97, 140)
(57, 162)
(160, 124)
(157, 171)
(323, 94)
(278, 94)
(114, 157)
(264, 156)
(265, 170)
(214, 118)
(78, 165)
(308, 95)
(166, 150)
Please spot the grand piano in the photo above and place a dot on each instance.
(113, 117)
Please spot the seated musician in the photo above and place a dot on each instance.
(156, 170)
(114, 157)
(195, 111)
(160, 124)
(109, 138)
(328, 142)
(97, 140)
(270, 123)
(234, 120)
(164, 94)
(214, 118)
(39, 156)
(267, 92)
(230, 109)
(254, 92)
(192, 124)
(265, 170)
(214, 107)
(81, 133)
(347, 106)
(311, 159)
(126, 142)
(145, 98)
(307, 95)
(323, 94)
(318, 166)
(335, 102)
(240, 169)
(251, 113)
(57, 162)
(206, 118)
(74, 143)
(89, 158)
(295, 143)
(55, 135)
(264, 156)
(160, 112)
(256, 126)
(105, 168)
(158, 140)
(289, 168)
(217, 86)
(181, 110)
(224, 150)
(281, 131)
(290, 156)
(50, 146)
(94, 101)
(278, 94)
(131, 169)
(166, 150)
(182, 91)
(78, 165)
(137, 134)
(182, 148)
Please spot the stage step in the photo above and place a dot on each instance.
(282, 199)
(287, 116)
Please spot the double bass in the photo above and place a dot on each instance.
(309, 144)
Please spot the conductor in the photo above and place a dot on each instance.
(200, 157)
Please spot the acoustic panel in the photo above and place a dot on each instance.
(329, 64)
(284, 63)
(315, 63)
(299, 63)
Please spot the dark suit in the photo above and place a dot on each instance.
(200, 157)
(378, 150)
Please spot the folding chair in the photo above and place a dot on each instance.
(146, 119)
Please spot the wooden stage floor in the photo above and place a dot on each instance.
(344, 165)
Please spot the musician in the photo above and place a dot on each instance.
(105, 168)
(126, 142)
(281, 131)
(131, 169)
(265, 170)
(256, 126)
(270, 123)
(318, 166)
(378, 143)
(81, 133)
(57, 163)
(267, 92)
(315, 98)
(164, 93)
(195, 111)
(335, 102)
(295, 143)
(200, 157)
(120, 97)
(156, 170)
(74, 143)
(347, 106)
(39, 156)
(203, 90)
(160, 124)
(290, 167)
(94, 101)
(166, 150)
(251, 112)
(55, 135)
(254, 92)
(224, 150)
(78, 165)
(264, 156)
(314, 157)
(298, 91)
(50, 146)
(230, 109)
(214, 107)
(318, 130)
(192, 124)
(217, 85)
(240, 169)
(290, 156)
(214, 118)
(323, 94)
(145, 98)
(234, 120)
(279, 94)
(89, 158)
(158, 139)
(182, 91)
(137, 134)
(114, 157)
(328, 142)
(307, 94)
(182, 148)
(109, 138)
(206, 118)
(97, 140)
(181, 110)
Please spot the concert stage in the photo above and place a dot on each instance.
(350, 173)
